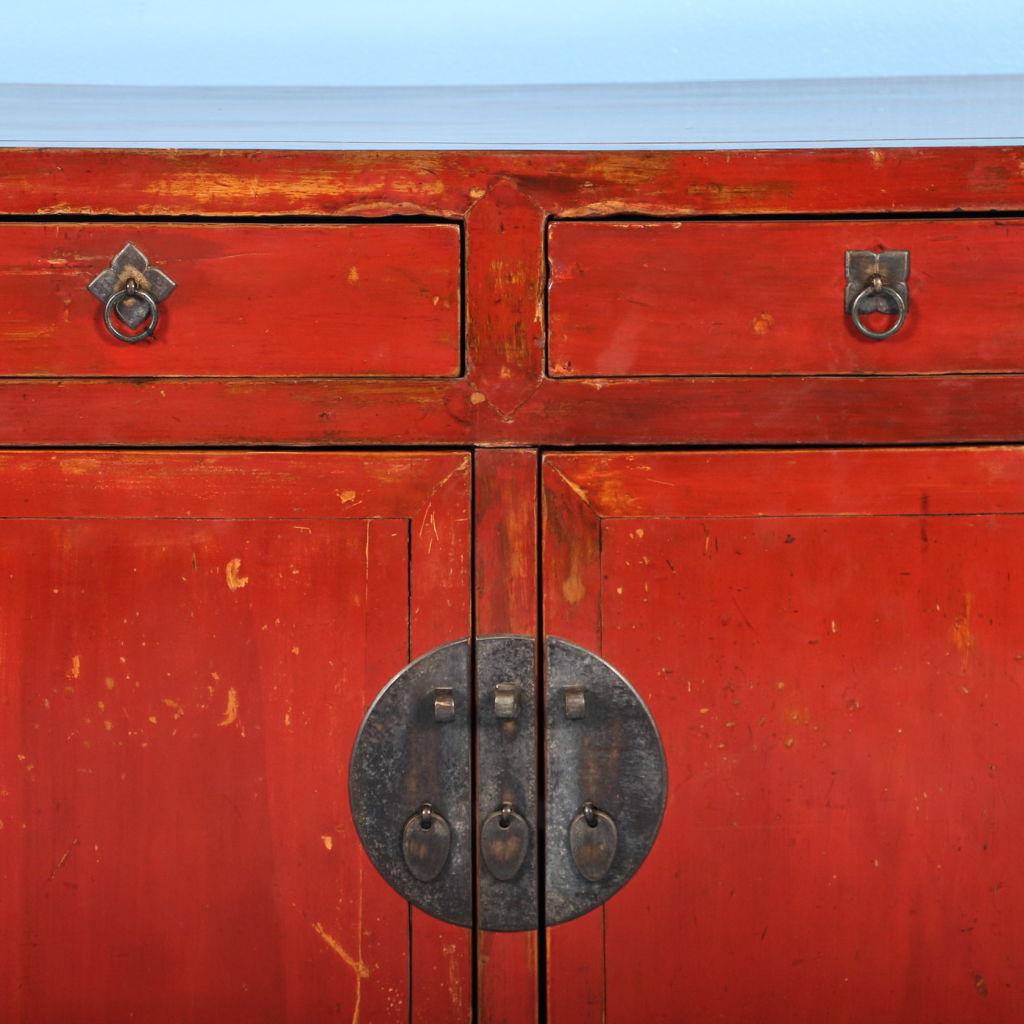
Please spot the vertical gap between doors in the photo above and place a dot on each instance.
(600, 650)
(408, 658)
(542, 935)
(473, 854)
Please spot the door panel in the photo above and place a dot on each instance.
(188, 644)
(830, 645)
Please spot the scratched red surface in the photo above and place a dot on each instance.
(252, 300)
(217, 872)
(182, 680)
(836, 677)
(752, 297)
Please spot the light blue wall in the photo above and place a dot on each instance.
(416, 42)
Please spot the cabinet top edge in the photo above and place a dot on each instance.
(850, 113)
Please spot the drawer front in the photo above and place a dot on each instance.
(767, 297)
(251, 300)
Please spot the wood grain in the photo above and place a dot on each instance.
(446, 183)
(570, 548)
(505, 538)
(828, 642)
(653, 411)
(749, 297)
(252, 300)
(505, 298)
(191, 642)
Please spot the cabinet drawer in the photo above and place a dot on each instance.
(250, 300)
(767, 297)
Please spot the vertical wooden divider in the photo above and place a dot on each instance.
(506, 602)
(505, 278)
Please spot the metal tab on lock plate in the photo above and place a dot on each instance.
(593, 841)
(426, 843)
(504, 842)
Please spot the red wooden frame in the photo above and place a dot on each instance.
(505, 577)
(506, 201)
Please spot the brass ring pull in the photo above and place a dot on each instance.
(875, 287)
(131, 291)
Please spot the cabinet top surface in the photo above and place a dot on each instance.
(968, 110)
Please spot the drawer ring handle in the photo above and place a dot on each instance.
(875, 287)
(131, 290)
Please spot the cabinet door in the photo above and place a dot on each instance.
(832, 645)
(188, 643)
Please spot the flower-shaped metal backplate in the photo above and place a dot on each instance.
(130, 264)
(892, 266)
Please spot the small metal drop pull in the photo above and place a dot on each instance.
(426, 840)
(593, 840)
(504, 841)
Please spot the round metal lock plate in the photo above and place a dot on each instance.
(410, 774)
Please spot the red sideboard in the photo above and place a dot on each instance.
(397, 400)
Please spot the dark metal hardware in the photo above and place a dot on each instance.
(575, 702)
(444, 704)
(403, 758)
(131, 293)
(132, 289)
(504, 843)
(611, 759)
(506, 774)
(876, 282)
(409, 782)
(506, 700)
(593, 840)
(426, 840)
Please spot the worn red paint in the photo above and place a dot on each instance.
(504, 200)
(370, 184)
(753, 297)
(227, 867)
(252, 300)
(833, 662)
(505, 485)
(190, 644)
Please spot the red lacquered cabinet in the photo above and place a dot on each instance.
(511, 587)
